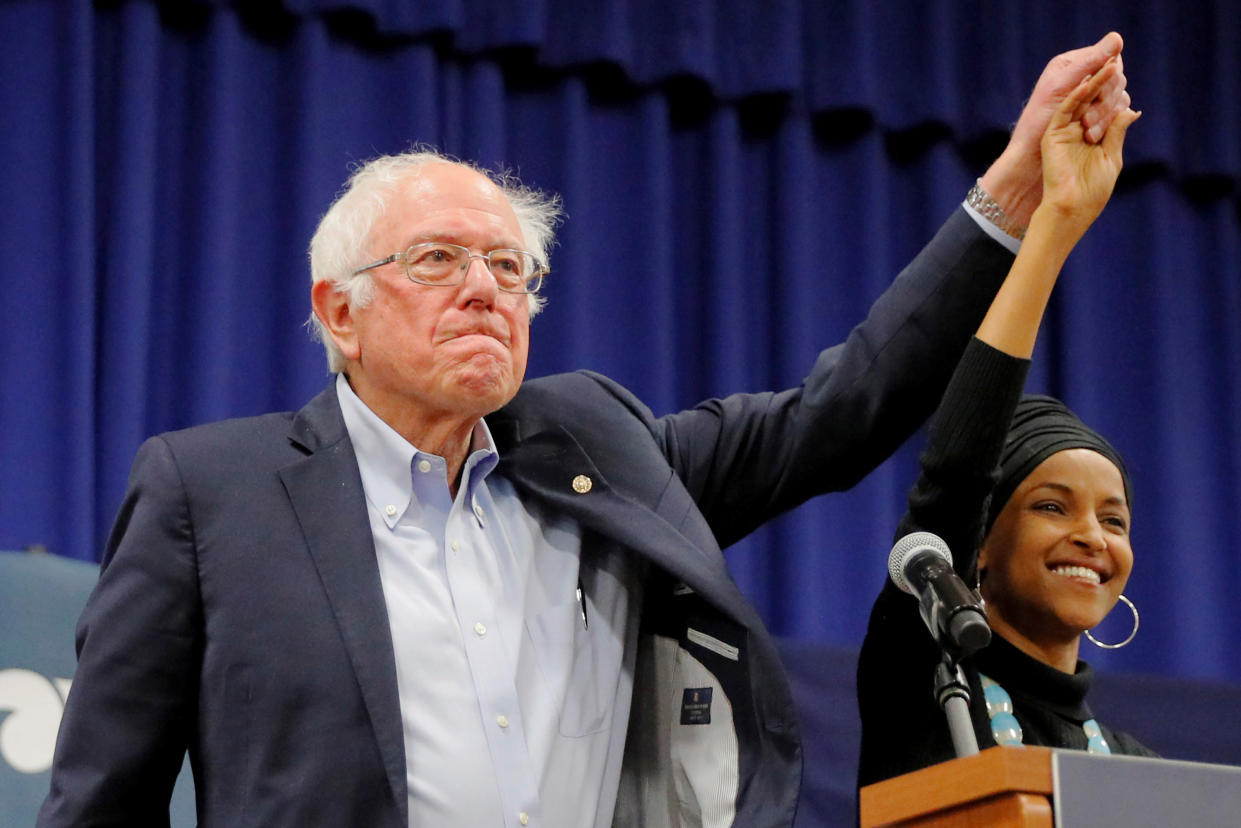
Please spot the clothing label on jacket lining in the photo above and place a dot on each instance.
(696, 706)
(712, 643)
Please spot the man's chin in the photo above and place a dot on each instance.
(485, 391)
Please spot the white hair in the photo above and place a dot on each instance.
(340, 243)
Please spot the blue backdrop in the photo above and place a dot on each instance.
(741, 179)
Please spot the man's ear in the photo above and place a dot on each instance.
(332, 308)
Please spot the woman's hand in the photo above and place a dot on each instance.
(1078, 177)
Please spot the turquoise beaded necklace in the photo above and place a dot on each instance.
(1007, 731)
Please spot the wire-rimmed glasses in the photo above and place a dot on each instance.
(443, 264)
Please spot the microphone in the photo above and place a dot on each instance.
(921, 565)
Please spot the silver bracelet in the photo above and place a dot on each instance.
(981, 200)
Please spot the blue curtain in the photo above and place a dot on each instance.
(741, 179)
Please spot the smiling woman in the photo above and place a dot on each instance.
(1057, 555)
(1053, 563)
(1033, 504)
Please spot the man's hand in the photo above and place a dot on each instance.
(1015, 180)
(1062, 75)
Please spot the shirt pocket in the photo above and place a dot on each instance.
(581, 664)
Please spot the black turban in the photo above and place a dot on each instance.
(1041, 427)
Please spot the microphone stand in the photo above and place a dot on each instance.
(952, 692)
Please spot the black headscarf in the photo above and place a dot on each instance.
(1041, 427)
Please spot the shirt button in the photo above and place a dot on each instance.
(455, 546)
(524, 818)
(390, 509)
(478, 511)
(424, 466)
(480, 628)
(502, 720)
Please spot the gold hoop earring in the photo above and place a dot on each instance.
(1134, 632)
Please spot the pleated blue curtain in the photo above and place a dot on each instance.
(741, 180)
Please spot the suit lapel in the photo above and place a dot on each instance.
(325, 490)
(546, 464)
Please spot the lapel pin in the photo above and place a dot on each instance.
(582, 484)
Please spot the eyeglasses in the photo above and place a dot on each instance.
(441, 264)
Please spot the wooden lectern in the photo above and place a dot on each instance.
(998, 787)
(1037, 786)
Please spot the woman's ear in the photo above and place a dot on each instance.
(984, 558)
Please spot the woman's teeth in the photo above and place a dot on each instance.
(1077, 572)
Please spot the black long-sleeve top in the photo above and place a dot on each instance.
(903, 727)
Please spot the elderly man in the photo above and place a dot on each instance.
(439, 596)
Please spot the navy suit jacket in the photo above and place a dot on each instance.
(240, 615)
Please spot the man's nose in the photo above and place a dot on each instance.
(479, 283)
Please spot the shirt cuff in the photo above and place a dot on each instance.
(1013, 245)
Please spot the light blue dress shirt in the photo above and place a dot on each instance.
(514, 686)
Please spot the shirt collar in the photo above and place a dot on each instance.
(385, 458)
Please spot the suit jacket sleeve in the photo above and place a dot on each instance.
(127, 736)
(749, 457)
